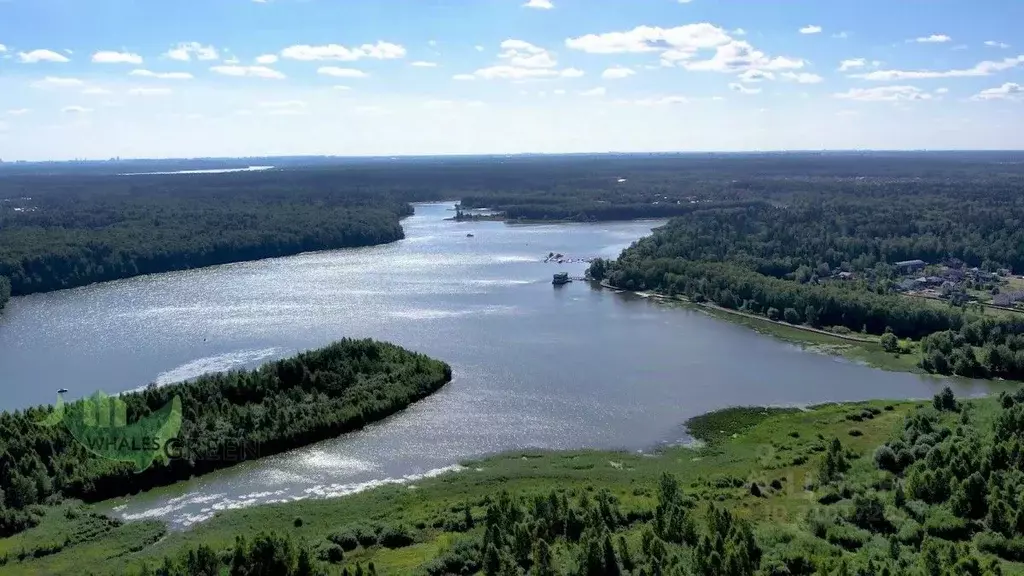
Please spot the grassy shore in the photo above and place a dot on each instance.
(772, 447)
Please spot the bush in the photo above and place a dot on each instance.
(365, 536)
(297, 522)
(334, 554)
(347, 540)
(395, 536)
(942, 523)
(1005, 548)
(889, 342)
(791, 315)
(917, 509)
(910, 533)
(855, 432)
(846, 536)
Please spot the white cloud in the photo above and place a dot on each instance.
(802, 77)
(995, 44)
(75, 110)
(452, 104)
(739, 32)
(685, 1)
(464, 77)
(884, 94)
(558, 92)
(933, 39)
(755, 76)
(424, 64)
(662, 101)
(41, 55)
(810, 29)
(738, 55)
(340, 72)
(688, 38)
(18, 111)
(478, 48)
(149, 91)
(841, 35)
(617, 73)
(502, 72)
(266, 59)
(111, 57)
(541, 4)
(520, 53)
(599, 91)
(985, 68)
(571, 73)
(744, 89)
(3, 48)
(341, 87)
(161, 75)
(186, 50)
(57, 82)
(96, 91)
(942, 90)
(254, 71)
(380, 51)
(1008, 91)
(852, 63)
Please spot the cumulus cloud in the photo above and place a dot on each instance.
(686, 38)
(57, 82)
(995, 44)
(149, 91)
(424, 64)
(184, 52)
(571, 73)
(380, 51)
(617, 73)
(478, 48)
(523, 54)
(266, 59)
(885, 94)
(539, 4)
(802, 77)
(3, 48)
(464, 77)
(521, 60)
(340, 72)
(41, 55)
(755, 76)
(852, 63)
(1008, 91)
(743, 89)
(738, 55)
(75, 110)
(161, 75)
(112, 57)
(985, 68)
(19, 111)
(252, 71)
(593, 92)
(933, 39)
(810, 29)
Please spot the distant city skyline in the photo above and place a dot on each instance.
(252, 78)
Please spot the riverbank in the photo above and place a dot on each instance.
(858, 348)
(778, 450)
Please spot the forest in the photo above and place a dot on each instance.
(64, 225)
(282, 405)
(940, 497)
(826, 255)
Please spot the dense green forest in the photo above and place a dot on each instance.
(825, 255)
(66, 225)
(226, 418)
(941, 497)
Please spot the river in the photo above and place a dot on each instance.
(534, 365)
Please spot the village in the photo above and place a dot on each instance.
(951, 281)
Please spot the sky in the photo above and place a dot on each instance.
(191, 78)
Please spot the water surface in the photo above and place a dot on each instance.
(534, 365)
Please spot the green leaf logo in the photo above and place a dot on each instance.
(99, 423)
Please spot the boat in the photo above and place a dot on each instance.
(62, 391)
(469, 235)
(560, 278)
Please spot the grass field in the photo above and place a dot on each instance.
(772, 447)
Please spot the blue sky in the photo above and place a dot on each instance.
(151, 78)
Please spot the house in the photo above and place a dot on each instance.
(845, 275)
(910, 265)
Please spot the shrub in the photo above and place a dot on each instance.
(396, 536)
(910, 533)
(855, 432)
(1006, 548)
(846, 536)
(347, 540)
(885, 459)
(334, 554)
(297, 522)
(942, 523)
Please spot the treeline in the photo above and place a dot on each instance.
(778, 253)
(65, 231)
(226, 419)
(5, 292)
